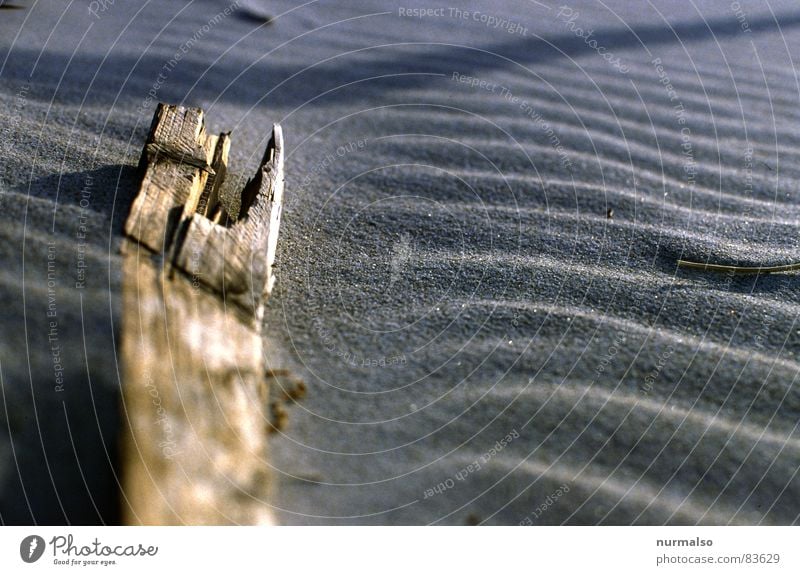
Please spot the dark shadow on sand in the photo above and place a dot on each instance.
(375, 72)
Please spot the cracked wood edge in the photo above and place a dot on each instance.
(194, 391)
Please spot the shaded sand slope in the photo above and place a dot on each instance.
(448, 274)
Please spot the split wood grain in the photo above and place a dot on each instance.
(193, 380)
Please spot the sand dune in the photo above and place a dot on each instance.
(456, 278)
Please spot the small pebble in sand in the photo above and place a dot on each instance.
(254, 11)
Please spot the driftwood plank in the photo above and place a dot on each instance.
(194, 388)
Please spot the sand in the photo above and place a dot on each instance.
(477, 273)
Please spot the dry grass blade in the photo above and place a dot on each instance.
(739, 270)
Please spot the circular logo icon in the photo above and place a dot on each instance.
(31, 548)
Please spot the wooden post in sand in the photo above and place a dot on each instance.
(193, 375)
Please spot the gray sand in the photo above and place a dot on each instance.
(481, 342)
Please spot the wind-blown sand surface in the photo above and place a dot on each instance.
(448, 275)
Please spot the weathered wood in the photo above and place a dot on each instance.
(194, 388)
(236, 261)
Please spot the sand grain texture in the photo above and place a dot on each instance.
(447, 274)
